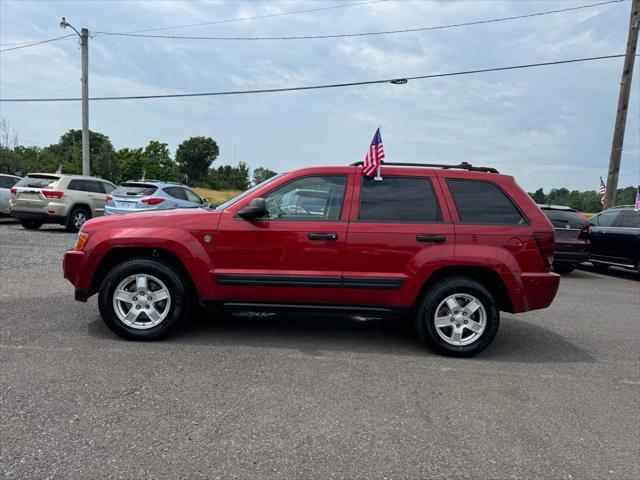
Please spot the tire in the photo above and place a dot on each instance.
(165, 314)
(31, 224)
(463, 340)
(563, 267)
(76, 219)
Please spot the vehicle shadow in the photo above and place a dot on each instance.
(313, 334)
(615, 272)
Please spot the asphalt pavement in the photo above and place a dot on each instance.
(557, 395)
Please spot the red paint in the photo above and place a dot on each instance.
(362, 249)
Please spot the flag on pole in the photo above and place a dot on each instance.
(603, 191)
(637, 209)
(374, 156)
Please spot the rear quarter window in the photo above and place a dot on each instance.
(38, 181)
(483, 203)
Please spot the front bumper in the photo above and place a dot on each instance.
(78, 267)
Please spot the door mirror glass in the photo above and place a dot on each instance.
(256, 209)
(205, 202)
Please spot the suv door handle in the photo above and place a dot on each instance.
(323, 236)
(431, 238)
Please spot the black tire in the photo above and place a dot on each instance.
(165, 272)
(31, 224)
(563, 267)
(74, 219)
(426, 313)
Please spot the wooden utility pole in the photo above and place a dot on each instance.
(623, 106)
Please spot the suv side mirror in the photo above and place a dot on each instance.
(257, 208)
(205, 202)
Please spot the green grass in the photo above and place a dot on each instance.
(216, 197)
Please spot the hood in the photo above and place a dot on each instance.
(188, 218)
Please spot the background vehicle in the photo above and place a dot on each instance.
(68, 200)
(6, 182)
(151, 195)
(572, 237)
(451, 247)
(615, 238)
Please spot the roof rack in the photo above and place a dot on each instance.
(462, 166)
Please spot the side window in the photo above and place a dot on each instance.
(308, 198)
(483, 203)
(8, 182)
(192, 196)
(398, 199)
(176, 192)
(108, 187)
(629, 219)
(605, 219)
(93, 186)
(78, 185)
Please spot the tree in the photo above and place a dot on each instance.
(194, 157)
(538, 196)
(261, 174)
(154, 161)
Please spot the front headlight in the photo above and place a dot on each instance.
(82, 239)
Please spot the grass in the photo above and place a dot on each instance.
(216, 197)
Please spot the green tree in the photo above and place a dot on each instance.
(261, 174)
(154, 161)
(538, 196)
(194, 157)
(68, 153)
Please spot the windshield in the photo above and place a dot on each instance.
(228, 203)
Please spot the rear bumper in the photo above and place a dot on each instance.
(538, 291)
(38, 216)
(571, 257)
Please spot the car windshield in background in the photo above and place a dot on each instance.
(135, 190)
(565, 218)
(38, 181)
(228, 203)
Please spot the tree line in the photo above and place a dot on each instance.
(192, 163)
(588, 201)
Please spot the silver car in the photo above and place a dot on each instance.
(141, 196)
(6, 184)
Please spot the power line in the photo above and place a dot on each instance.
(315, 87)
(363, 34)
(33, 44)
(244, 19)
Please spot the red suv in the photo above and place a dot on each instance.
(451, 245)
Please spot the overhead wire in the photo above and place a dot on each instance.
(40, 42)
(397, 80)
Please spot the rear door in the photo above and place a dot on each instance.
(624, 238)
(295, 254)
(399, 233)
(601, 245)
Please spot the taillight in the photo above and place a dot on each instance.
(52, 193)
(109, 198)
(152, 201)
(546, 243)
(14, 190)
(584, 232)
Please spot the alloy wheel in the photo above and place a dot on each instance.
(141, 301)
(460, 319)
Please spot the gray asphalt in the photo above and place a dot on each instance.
(556, 396)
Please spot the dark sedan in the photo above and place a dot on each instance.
(615, 238)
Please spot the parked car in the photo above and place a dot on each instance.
(67, 200)
(615, 238)
(572, 237)
(6, 182)
(450, 246)
(147, 195)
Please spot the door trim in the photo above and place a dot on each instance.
(382, 283)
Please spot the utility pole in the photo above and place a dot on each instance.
(623, 106)
(84, 43)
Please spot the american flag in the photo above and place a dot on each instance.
(637, 209)
(603, 191)
(374, 156)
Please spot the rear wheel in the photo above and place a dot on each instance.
(457, 317)
(143, 299)
(31, 224)
(76, 219)
(563, 267)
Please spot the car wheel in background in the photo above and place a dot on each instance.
(76, 219)
(563, 267)
(143, 299)
(31, 224)
(457, 317)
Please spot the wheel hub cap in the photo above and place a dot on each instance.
(460, 319)
(141, 301)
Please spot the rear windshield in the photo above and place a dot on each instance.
(135, 189)
(38, 181)
(565, 218)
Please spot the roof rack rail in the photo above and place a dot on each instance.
(462, 166)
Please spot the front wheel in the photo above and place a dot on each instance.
(457, 317)
(143, 299)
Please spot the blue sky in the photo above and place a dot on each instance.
(548, 127)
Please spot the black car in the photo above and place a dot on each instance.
(572, 237)
(615, 238)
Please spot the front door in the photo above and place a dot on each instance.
(295, 254)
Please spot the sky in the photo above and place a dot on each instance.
(549, 126)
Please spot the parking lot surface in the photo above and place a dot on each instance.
(557, 395)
